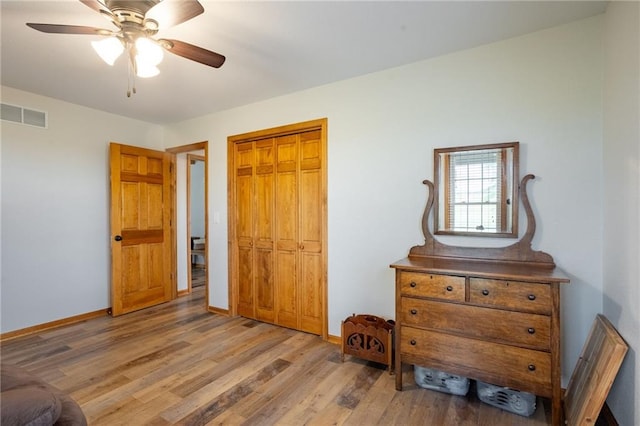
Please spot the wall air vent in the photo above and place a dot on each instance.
(30, 117)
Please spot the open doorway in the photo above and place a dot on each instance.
(197, 272)
(190, 218)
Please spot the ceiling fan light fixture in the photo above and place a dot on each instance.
(145, 70)
(109, 49)
(148, 51)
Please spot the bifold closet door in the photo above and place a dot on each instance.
(279, 262)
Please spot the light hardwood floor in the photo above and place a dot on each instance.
(178, 364)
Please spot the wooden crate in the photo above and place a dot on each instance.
(368, 337)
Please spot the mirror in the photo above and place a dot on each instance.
(476, 190)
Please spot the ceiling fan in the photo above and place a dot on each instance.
(137, 21)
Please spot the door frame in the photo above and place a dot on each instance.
(318, 124)
(185, 149)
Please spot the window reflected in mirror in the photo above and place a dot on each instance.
(476, 190)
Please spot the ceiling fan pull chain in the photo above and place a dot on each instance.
(131, 72)
(128, 79)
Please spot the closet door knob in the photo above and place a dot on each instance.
(118, 238)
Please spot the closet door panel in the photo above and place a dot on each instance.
(264, 231)
(265, 298)
(246, 306)
(287, 231)
(310, 150)
(311, 296)
(311, 195)
(286, 287)
(311, 282)
(310, 214)
(286, 193)
(244, 227)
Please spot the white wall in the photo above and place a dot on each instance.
(622, 198)
(197, 199)
(542, 89)
(55, 209)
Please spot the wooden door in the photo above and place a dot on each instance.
(140, 228)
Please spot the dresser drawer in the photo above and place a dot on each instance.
(519, 368)
(516, 295)
(446, 287)
(515, 328)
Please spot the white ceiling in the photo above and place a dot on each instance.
(272, 48)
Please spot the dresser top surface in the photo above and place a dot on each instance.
(482, 268)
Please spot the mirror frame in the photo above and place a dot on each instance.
(512, 201)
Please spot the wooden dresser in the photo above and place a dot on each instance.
(487, 314)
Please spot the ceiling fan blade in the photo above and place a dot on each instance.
(168, 13)
(94, 4)
(69, 29)
(194, 53)
(101, 8)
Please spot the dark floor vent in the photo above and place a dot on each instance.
(22, 115)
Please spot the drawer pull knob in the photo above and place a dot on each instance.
(485, 292)
(532, 367)
(532, 297)
(413, 312)
(449, 288)
(413, 342)
(531, 330)
(413, 284)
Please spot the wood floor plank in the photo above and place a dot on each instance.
(227, 418)
(227, 399)
(178, 364)
(300, 382)
(322, 395)
(142, 412)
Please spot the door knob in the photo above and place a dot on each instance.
(118, 238)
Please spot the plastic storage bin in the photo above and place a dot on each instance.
(521, 403)
(430, 378)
